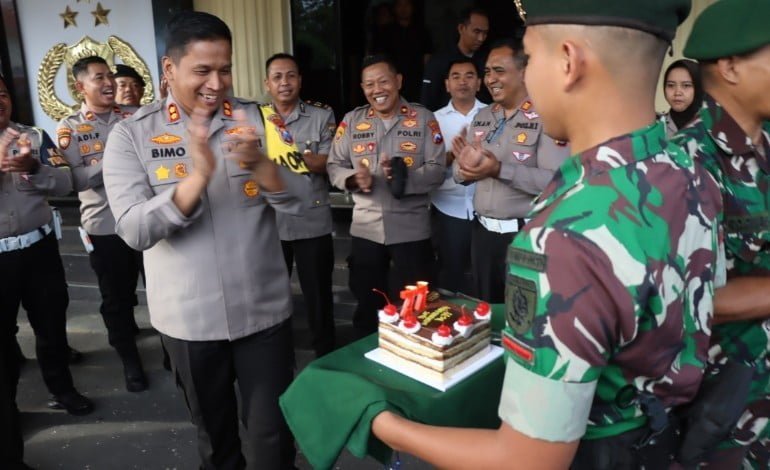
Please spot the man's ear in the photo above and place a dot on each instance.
(573, 63)
(726, 68)
(399, 80)
(167, 64)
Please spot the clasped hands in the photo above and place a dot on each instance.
(474, 161)
(243, 149)
(24, 161)
(363, 178)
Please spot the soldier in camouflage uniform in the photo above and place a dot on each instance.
(727, 138)
(609, 292)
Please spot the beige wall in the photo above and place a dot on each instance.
(679, 41)
(260, 28)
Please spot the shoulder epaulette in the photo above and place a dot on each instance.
(145, 111)
(318, 104)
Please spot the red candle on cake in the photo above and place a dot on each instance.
(408, 295)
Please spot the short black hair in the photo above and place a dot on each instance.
(81, 66)
(379, 59)
(519, 57)
(279, 56)
(465, 14)
(122, 70)
(461, 60)
(190, 26)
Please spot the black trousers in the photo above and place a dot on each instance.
(452, 237)
(488, 251)
(11, 441)
(34, 278)
(315, 264)
(262, 366)
(117, 267)
(369, 267)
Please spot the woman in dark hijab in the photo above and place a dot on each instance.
(683, 89)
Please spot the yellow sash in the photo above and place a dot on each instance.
(281, 147)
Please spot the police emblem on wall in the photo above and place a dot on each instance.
(61, 54)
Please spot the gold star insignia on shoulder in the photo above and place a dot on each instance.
(69, 17)
(521, 10)
(100, 15)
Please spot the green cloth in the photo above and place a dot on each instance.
(657, 17)
(729, 27)
(331, 403)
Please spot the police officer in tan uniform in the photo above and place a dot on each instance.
(519, 160)
(32, 274)
(189, 184)
(307, 239)
(390, 155)
(82, 137)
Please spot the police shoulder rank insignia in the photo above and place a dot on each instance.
(173, 113)
(404, 110)
(340, 132)
(521, 138)
(408, 161)
(520, 303)
(526, 106)
(64, 137)
(250, 188)
(227, 108)
(166, 139)
(363, 126)
(370, 113)
(162, 173)
(90, 116)
(84, 128)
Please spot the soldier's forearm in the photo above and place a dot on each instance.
(742, 298)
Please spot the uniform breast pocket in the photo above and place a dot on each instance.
(364, 154)
(411, 150)
(21, 182)
(522, 147)
(166, 172)
(245, 191)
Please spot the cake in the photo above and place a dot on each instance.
(436, 336)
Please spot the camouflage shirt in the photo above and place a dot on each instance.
(610, 289)
(742, 172)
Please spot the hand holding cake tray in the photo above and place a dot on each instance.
(434, 341)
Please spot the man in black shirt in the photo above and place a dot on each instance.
(473, 28)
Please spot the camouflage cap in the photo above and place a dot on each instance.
(729, 27)
(657, 17)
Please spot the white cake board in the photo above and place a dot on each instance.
(432, 378)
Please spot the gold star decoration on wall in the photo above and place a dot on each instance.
(69, 17)
(100, 15)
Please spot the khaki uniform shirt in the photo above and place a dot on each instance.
(219, 273)
(414, 135)
(82, 137)
(312, 126)
(23, 204)
(529, 159)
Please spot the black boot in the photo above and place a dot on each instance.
(133, 372)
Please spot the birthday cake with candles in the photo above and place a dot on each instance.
(431, 333)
